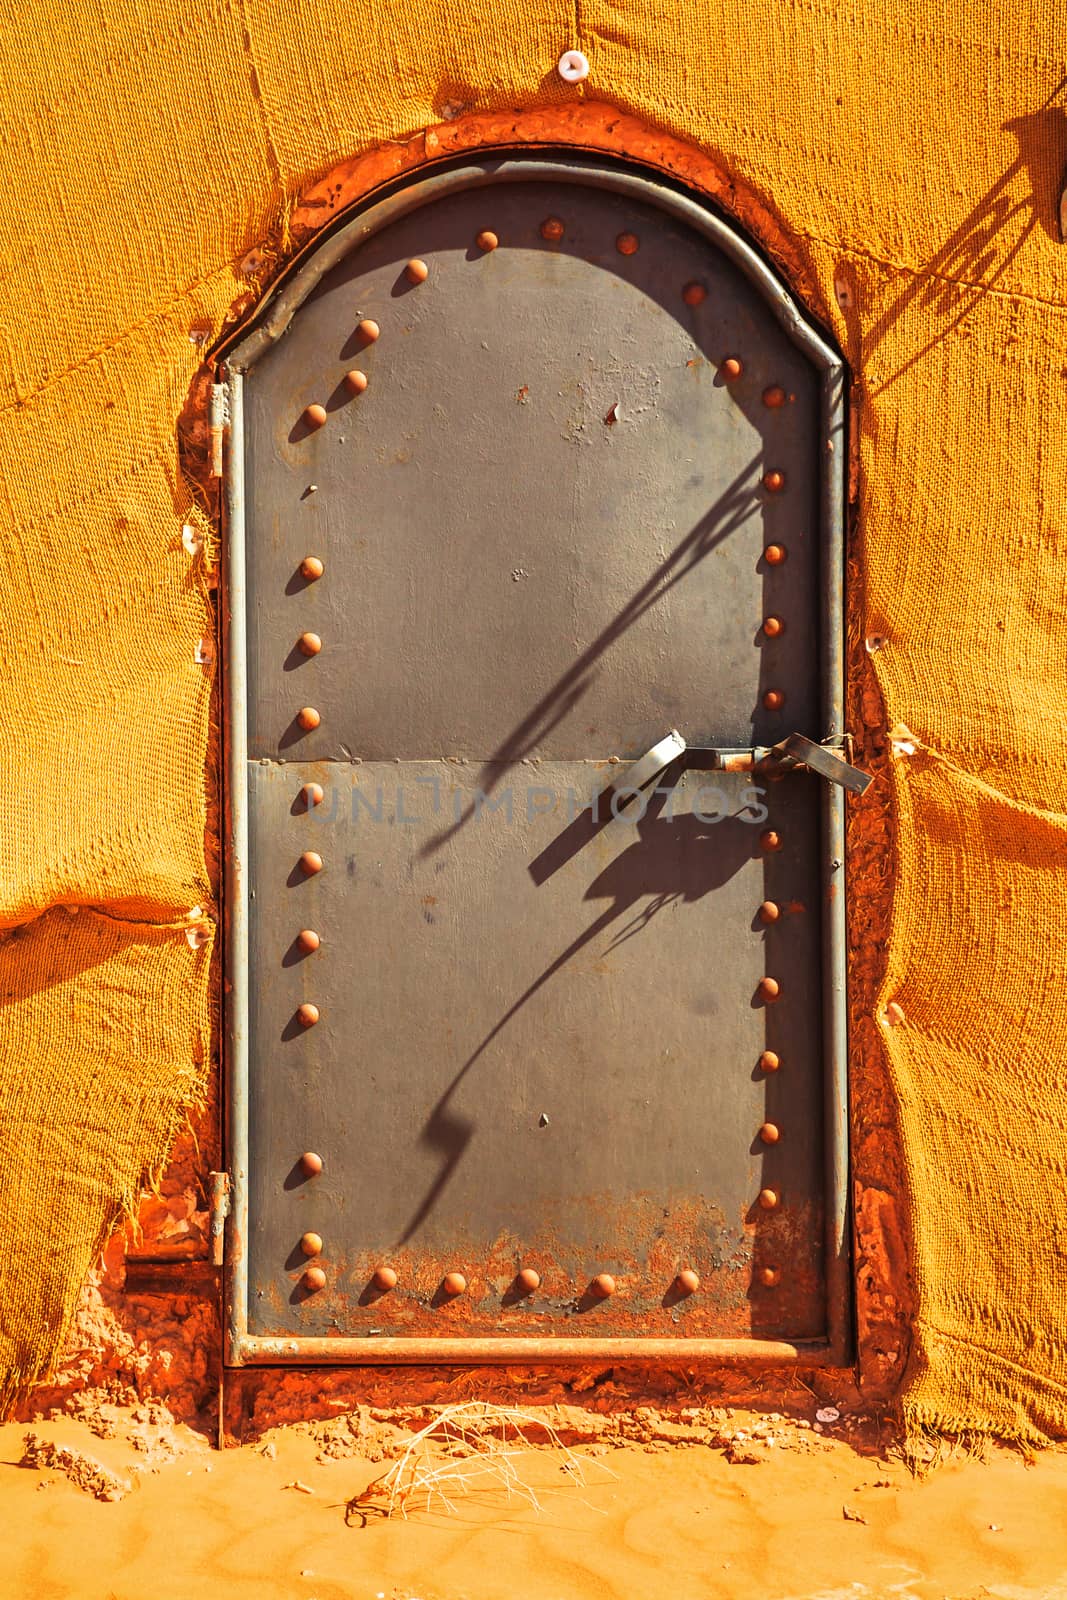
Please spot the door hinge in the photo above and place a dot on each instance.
(220, 1210)
(218, 423)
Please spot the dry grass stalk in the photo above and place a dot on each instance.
(465, 1447)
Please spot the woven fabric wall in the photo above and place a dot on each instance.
(910, 154)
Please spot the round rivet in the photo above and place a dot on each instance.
(769, 988)
(773, 626)
(769, 1133)
(487, 240)
(308, 939)
(307, 1014)
(552, 228)
(314, 1278)
(311, 1163)
(573, 66)
(528, 1280)
(308, 718)
(311, 1244)
(627, 244)
(774, 700)
(769, 1061)
(694, 294)
(774, 482)
(774, 555)
(311, 568)
(314, 416)
(768, 1199)
(769, 840)
(774, 397)
(310, 644)
(313, 794)
(368, 330)
(311, 862)
(384, 1279)
(687, 1281)
(356, 381)
(769, 1277)
(769, 912)
(454, 1283)
(603, 1285)
(731, 368)
(417, 271)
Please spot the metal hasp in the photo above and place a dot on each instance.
(532, 1057)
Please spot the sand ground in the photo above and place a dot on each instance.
(661, 1518)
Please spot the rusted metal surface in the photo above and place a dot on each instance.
(538, 1026)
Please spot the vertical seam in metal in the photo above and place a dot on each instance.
(236, 1271)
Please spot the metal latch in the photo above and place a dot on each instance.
(827, 760)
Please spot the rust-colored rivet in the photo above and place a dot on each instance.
(528, 1280)
(310, 644)
(687, 1281)
(384, 1278)
(417, 271)
(694, 294)
(769, 1133)
(552, 228)
(454, 1283)
(769, 1277)
(308, 939)
(487, 240)
(769, 1061)
(311, 1244)
(368, 330)
(774, 700)
(314, 416)
(768, 1199)
(769, 911)
(313, 794)
(627, 244)
(769, 988)
(774, 482)
(308, 718)
(769, 840)
(731, 368)
(773, 626)
(774, 397)
(356, 381)
(311, 1163)
(603, 1285)
(314, 1278)
(311, 568)
(774, 555)
(307, 1014)
(311, 862)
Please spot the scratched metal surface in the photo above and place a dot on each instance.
(538, 1040)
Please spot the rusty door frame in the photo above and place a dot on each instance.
(270, 322)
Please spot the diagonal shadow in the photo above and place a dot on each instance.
(675, 860)
(728, 513)
(971, 260)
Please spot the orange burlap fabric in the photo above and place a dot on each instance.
(910, 155)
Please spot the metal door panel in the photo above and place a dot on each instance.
(509, 568)
(539, 1023)
(509, 1074)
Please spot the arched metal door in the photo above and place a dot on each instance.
(534, 561)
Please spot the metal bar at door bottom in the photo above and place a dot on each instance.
(263, 1350)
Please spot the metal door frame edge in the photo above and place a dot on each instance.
(272, 319)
